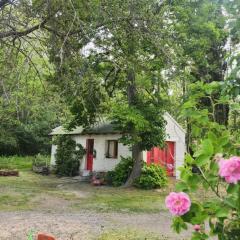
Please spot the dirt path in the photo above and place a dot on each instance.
(82, 225)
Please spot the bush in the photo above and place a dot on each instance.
(152, 176)
(120, 174)
(41, 164)
(16, 139)
(68, 156)
(41, 161)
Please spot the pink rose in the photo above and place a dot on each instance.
(230, 169)
(178, 203)
(197, 227)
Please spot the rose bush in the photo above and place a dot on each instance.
(220, 176)
(215, 157)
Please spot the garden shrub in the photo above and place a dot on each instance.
(41, 161)
(152, 176)
(120, 174)
(41, 164)
(68, 156)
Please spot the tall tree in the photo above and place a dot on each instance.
(202, 37)
(114, 65)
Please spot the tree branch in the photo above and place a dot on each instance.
(3, 3)
(22, 33)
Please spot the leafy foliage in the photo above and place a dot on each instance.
(41, 161)
(29, 108)
(212, 142)
(142, 124)
(68, 156)
(120, 174)
(152, 176)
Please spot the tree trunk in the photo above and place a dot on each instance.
(222, 114)
(132, 100)
(136, 151)
(137, 165)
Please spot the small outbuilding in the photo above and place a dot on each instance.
(104, 151)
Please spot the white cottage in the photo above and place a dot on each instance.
(104, 151)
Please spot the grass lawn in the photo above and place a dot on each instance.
(30, 191)
(51, 197)
(16, 162)
(23, 193)
(106, 199)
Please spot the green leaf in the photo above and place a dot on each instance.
(181, 187)
(189, 159)
(193, 212)
(224, 140)
(193, 182)
(222, 212)
(199, 236)
(206, 148)
(232, 201)
(199, 218)
(233, 188)
(212, 137)
(178, 224)
(202, 160)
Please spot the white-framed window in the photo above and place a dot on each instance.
(111, 148)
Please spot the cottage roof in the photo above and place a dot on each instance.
(102, 128)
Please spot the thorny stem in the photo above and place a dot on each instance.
(205, 179)
(216, 192)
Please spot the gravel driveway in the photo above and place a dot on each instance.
(82, 225)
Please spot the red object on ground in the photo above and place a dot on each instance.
(43, 236)
(163, 157)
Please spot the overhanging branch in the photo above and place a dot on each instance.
(4, 2)
(21, 33)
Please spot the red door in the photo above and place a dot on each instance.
(163, 157)
(169, 162)
(89, 153)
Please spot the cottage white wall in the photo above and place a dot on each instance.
(100, 162)
(53, 151)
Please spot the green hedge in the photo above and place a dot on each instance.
(120, 174)
(152, 176)
(68, 156)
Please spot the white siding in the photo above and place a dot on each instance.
(100, 163)
(53, 151)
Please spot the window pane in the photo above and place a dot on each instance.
(112, 148)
